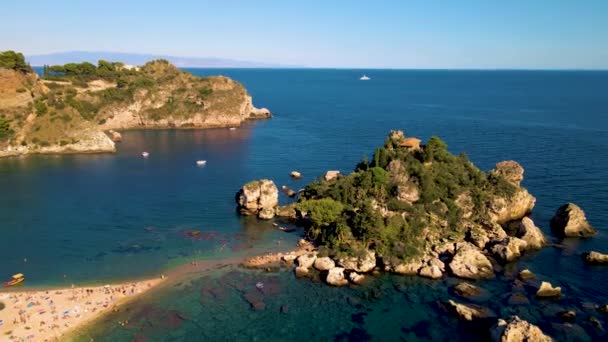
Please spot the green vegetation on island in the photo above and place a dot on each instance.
(401, 201)
(14, 61)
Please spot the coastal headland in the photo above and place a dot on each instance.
(80, 107)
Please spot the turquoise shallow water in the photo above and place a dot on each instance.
(82, 218)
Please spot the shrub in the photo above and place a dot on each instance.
(40, 107)
(21, 90)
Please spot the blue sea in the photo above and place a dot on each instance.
(77, 219)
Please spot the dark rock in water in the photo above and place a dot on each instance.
(254, 298)
(284, 309)
(567, 315)
(358, 318)
(570, 332)
(596, 323)
(354, 302)
(570, 221)
(518, 299)
(356, 334)
(420, 329)
(467, 290)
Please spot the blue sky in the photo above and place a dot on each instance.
(375, 34)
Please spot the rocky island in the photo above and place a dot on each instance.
(420, 210)
(72, 107)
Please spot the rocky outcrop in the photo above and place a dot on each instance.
(570, 221)
(362, 264)
(517, 330)
(408, 192)
(324, 263)
(430, 271)
(115, 136)
(258, 198)
(509, 249)
(470, 312)
(510, 170)
(405, 268)
(287, 191)
(307, 260)
(356, 278)
(596, 258)
(531, 234)
(470, 263)
(332, 174)
(547, 290)
(505, 209)
(288, 211)
(336, 277)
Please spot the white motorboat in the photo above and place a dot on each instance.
(364, 78)
(145, 154)
(201, 162)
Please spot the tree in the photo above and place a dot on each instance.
(5, 128)
(322, 212)
(14, 60)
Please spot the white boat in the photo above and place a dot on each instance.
(201, 162)
(364, 78)
(232, 128)
(145, 154)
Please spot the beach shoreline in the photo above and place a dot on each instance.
(58, 313)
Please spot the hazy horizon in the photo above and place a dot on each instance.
(389, 34)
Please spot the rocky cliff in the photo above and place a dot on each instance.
(69, 111)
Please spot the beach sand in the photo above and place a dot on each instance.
(47, 315)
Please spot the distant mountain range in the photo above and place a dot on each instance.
(139, 59)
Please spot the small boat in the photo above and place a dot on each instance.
(17, 279)
(145, 154)
(287, 230)
(201, 162)
(232, 128)
(364, 78)
(259, 285)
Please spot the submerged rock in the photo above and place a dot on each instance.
(530, 233)
(547, 290)
(518, 299)
(593, 257)
(570, 221)
(567, 315)
(470, 263)
(517, 330)
(335, 277)
(470, 312)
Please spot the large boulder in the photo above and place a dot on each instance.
(431, 271)
(509, 249)
(515, 207)
(307, 260)
(510, 170)
(570, 221)
(362, 264)
(596, 258)
(470, 312)
(467, 290)
(356, 278)
(405, 268)
(336, 277)
(258, 198)
(470, 263)
(324, 264)
(517, 330)
(530, 233)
